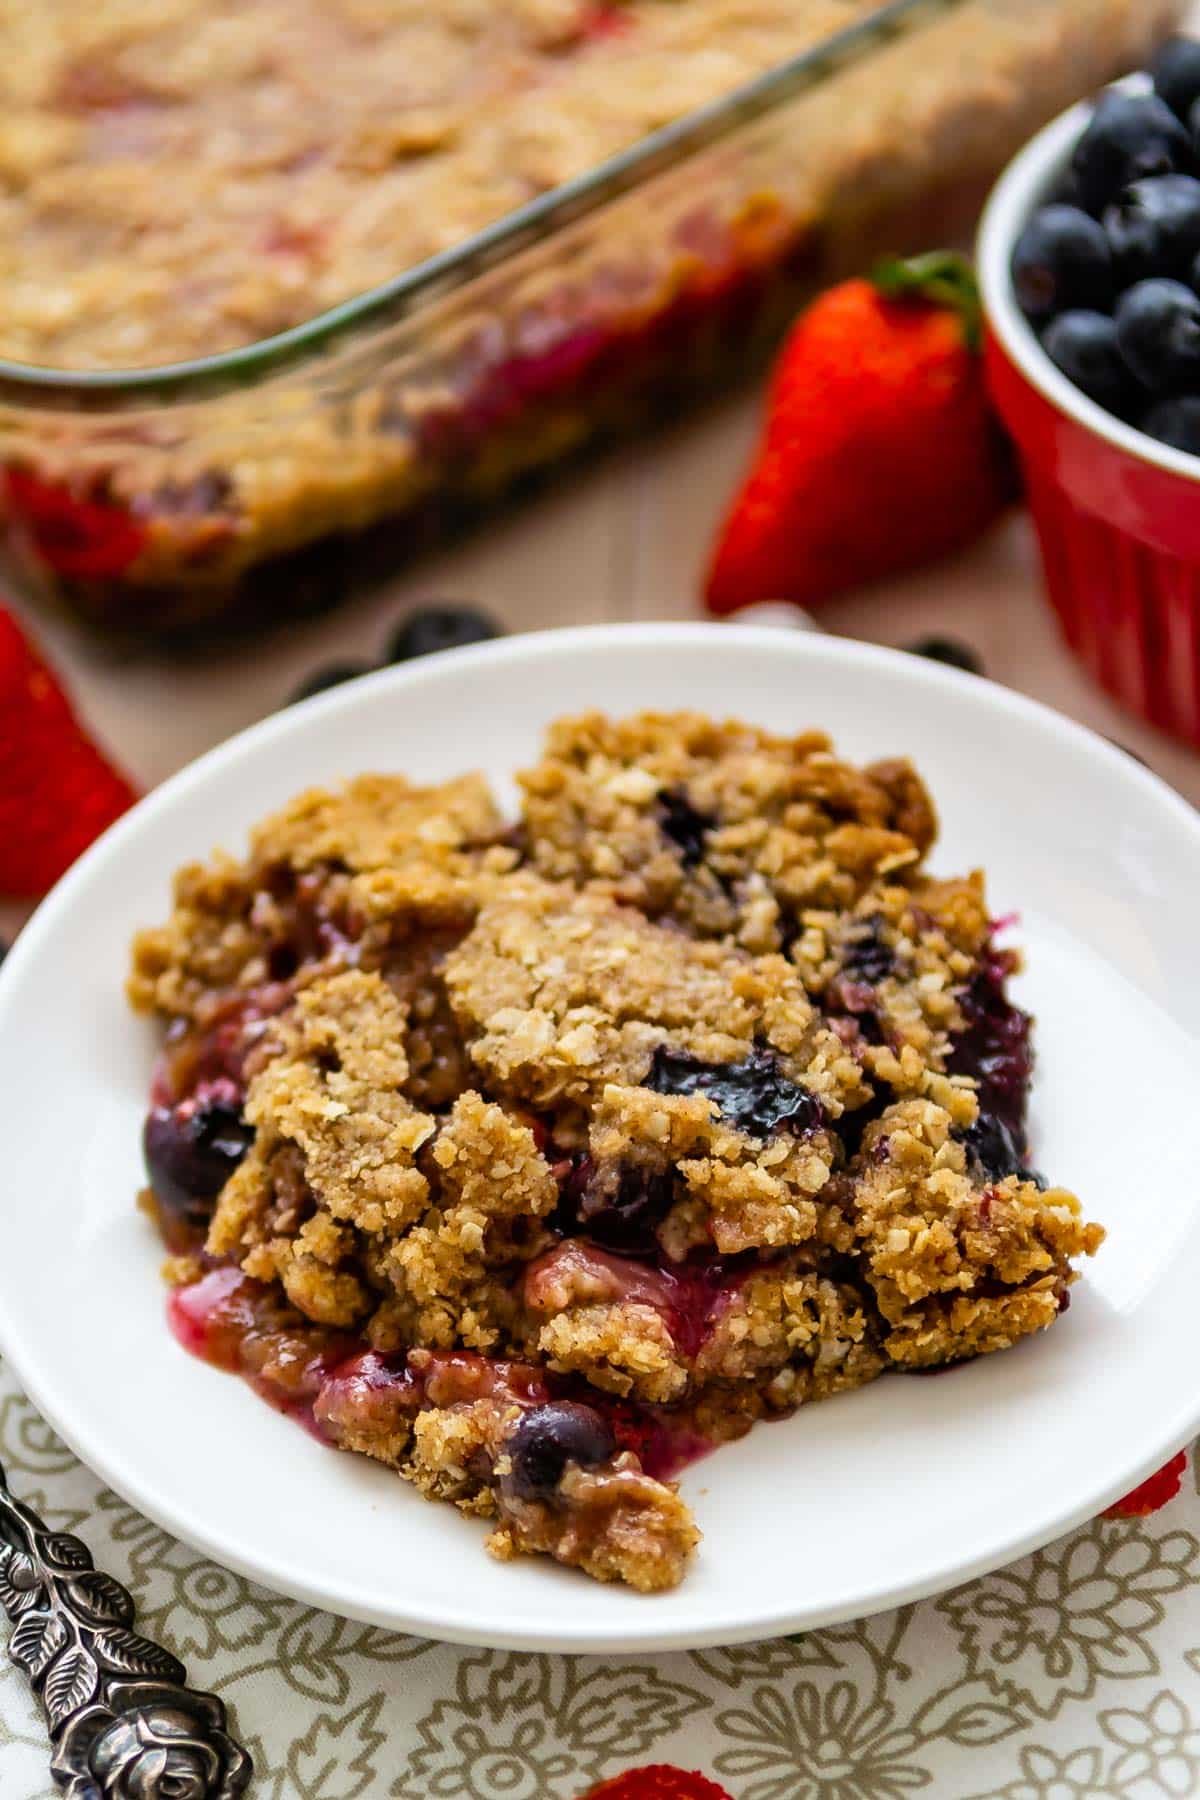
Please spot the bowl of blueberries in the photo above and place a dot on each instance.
(1089, 260)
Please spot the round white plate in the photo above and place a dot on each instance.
(860, 1503)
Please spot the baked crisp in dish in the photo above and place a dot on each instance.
(181, 181)
(537, 1160)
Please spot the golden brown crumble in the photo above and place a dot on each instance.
(624, 1130)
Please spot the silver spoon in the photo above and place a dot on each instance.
(121, 1719)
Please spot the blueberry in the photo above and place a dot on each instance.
(435, 628)
(868, 957)
(754, 1095)
(331, 676)
(1175, 422)
(950, 651)
(618, 1206)
(191, 1150)
(1128, 136)
(1061, 259)
(1117, 744)
(1176, 73)
(992, 1148)
(549, 1437)
(684, 824)
(995, 1047)
(1085, 347)
(1154, 228)
(1158, 333)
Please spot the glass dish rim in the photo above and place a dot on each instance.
(44, 387)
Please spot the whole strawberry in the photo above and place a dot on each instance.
(659, 1781)
(57, 790)
(879, 451)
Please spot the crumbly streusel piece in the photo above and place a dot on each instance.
(958, 1266)
(379, 822)
(727, 828)
(328, 1113)
(662, 1335)
(455, 1275)
(294, 902)
(888, 972)
(562, 994)
(572, 1003)
(451, 1425)
(615, 1523)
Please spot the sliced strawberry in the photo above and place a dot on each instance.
(1152, 1493)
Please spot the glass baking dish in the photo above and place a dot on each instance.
(280, 477)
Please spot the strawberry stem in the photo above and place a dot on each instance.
(942, 277)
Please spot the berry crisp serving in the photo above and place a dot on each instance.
(536, 1160)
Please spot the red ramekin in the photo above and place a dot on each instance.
(1117, 513)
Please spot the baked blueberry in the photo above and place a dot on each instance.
(549, 1437)
(444, 627)
(1175, 422)
(1086, 348)
(951, 651)
(618, 1207)
(754, 1095)
(1062, 259)
(1128, 136)
(867, 956)
(1158, 334)
(1176, 74)
(995, 1047)
(191, 1150)
(684, 824)
(992, 1148)
(331, 676)
(1154, 228)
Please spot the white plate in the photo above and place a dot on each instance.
(863, 1502)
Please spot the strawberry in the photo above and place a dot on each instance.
(57, 790)
(1152, 1493)
(73, 534)
(879, 451)
(659, 1781)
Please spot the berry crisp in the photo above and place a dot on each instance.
(536, 1160)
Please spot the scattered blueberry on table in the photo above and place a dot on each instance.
(1110, 277)
(330, 676)
(950, 651)
(1117, 744)
(445, 626)
(434, 628)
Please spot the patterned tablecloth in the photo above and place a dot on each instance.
(1073, 1674)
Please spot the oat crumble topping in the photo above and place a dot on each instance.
(534, 1162)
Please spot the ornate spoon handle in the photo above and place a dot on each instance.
(121, 1719)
